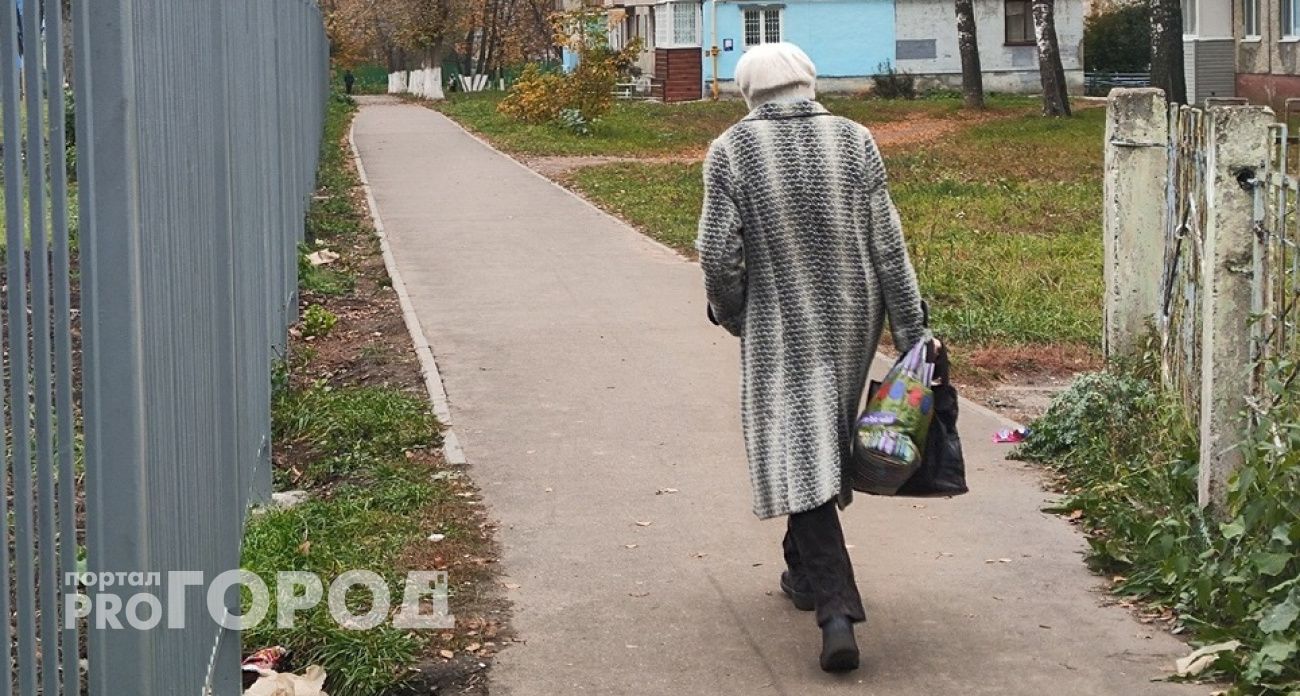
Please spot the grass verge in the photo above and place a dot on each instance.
(1126, 455)
(352, 427)
(1007, 245)
(651, 128)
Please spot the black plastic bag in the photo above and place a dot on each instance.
(943, 466)
(942, 471)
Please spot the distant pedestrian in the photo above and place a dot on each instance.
(803, 258)
(348, 80)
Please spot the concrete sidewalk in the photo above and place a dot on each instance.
(585, 383)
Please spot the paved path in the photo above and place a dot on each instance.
(584, 379)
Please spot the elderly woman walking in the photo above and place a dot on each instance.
(803, 258)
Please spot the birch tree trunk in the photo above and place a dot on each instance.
(1056, 98)
(972, 77)
(1167, 71)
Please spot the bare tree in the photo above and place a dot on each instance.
(972, 77)
(1056, 97)
(1167, 71)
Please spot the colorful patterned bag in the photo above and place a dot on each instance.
(891, 432)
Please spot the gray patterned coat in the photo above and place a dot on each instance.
(803, 258)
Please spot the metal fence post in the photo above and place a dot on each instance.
(1238, 147)
(1136, 163)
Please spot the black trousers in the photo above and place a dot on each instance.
(819, 563)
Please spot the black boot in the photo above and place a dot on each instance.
(798, 591)
(839, 648)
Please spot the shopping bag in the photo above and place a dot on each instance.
(889, 438)
(943, 466)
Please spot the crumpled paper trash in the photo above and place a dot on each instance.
(276, 684)
(322, 257)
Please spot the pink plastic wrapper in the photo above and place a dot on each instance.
(1010, 437)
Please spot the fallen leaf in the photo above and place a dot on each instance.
(644, 524)
(1076, 515)
(511, 585)
(305, 548)
(665, 491)
(446, 654)
(1201, 659)
(437, 537)
(473, 647)
(630, 546)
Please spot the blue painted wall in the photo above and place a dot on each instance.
(844, 38)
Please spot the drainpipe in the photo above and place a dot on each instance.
(713, 52)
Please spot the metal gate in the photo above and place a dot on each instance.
(1276, 266)
(147, 290)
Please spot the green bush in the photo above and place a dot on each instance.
(892, 83)
(317, 321)
(1118, 40)
(1127, 455)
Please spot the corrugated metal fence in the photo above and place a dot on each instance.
(138, 427)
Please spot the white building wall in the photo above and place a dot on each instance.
(926, 31)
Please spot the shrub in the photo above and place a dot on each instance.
(1118, 40)
(891, 83)
(574, 121)
(578, 99)
(317, 321)
(536, 97)
(1127, 455)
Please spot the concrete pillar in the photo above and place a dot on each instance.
(1238, 142)
(1134, 213)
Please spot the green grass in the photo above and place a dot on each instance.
(650, 128)
(1003, 219)
(661, 199)
(347, 430)
(351, 448)
(365, 519)
(1004, 222)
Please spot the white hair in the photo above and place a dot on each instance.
(776, 72)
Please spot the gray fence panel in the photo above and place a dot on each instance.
(13, 228)
(198, 127)
(65, 435)
(19, 414)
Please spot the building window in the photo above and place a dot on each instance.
(1020, 23)
(1290, 18)
(1189, 17)
(762, 25)
(677, 25)
(685, 25)
(1250, 18)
